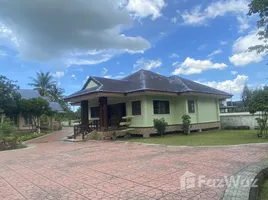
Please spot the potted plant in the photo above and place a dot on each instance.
(186, 124)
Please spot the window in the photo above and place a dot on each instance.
(95, 112)
(136, 107)
(191, 107)
(27, 121)
(161, 107)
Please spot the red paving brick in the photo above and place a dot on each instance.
(54, 169)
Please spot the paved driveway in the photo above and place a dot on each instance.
(114, 170)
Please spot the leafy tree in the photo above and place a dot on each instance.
(259, 103)
(160, 125)
(9, 98)
(34, 108)
(43, 83)
(56, 93)
(246, 96)
(260, 7)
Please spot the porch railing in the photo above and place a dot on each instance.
(85, 129)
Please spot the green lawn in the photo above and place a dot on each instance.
(264, 191)
(219, 137)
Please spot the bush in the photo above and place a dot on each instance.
(7, 130)
(186, 124)
(160, 125)
(29, 136)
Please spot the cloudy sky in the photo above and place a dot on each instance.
(205, 41)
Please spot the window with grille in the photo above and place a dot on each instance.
(191, 106)
(161, 107)
(136, 107)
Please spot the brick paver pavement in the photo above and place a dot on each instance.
(55, 169)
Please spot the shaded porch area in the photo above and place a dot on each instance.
(98, 115)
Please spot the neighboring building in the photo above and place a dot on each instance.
(147, 95)
(230, 106)
(23, 123)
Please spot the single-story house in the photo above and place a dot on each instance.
(23, 123)
(147, 95)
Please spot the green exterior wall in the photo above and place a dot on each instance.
(206, 109)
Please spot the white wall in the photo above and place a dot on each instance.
(239, 119)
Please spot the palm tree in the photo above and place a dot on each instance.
(56, 93)
(43, 83)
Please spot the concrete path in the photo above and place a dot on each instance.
(54, 169)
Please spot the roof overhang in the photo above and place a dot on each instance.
(94, 95)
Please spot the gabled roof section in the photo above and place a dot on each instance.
(146, 80)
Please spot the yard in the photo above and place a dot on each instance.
(218, 137)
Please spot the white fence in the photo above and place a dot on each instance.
(239, 119)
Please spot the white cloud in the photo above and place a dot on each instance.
(218, 51)
(119, 76)
(104, 71)
(223, 42)
(215, 9)
(121, 73)
(73, 76)
(241, 56)
(145, 8)
(175, 63)
(56, 28)
(234, 72)
(234, 86)
(3, 53)
(243, 23)
(174, 55)
(192, 66)
(58, 74)
(85, 59)
(245, 58)
(147, 64)
(173, 20)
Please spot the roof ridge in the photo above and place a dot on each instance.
(179, 78)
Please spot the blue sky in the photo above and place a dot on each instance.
(204, 41)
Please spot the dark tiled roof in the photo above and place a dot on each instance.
(29, 94)
(146, 80)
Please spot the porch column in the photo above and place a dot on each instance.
(103, 113)
(84, 112)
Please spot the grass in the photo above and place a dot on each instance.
(264, 191)
(218, 137)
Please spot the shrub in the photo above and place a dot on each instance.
(160, 125)
(186, 124)
(7, 129)
(29, 136)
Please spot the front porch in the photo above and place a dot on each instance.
(101, 116)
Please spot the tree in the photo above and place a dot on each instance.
(260, 7)
(56, 93)
(34, 108)
(43, 83)
(246, 96)
(259, 103)
(9, 98)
